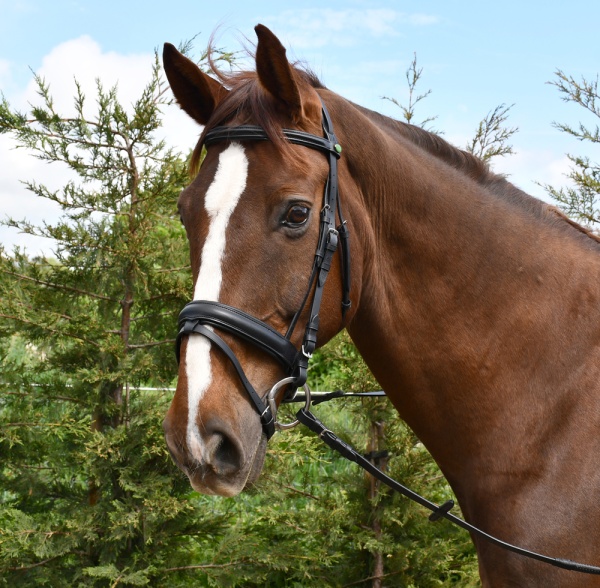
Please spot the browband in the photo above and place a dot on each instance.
(256, 133)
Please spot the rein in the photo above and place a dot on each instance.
(200, 316)
(438, 512)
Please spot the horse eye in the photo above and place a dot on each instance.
(296, 216)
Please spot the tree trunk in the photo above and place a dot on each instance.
(378, 457)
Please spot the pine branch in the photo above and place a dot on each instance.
(63, 287)
(379, 577)
(295, 490)
(33, 424)
(77, 141)
(53, 397)
(579, 201)
(413, 75)
(36, 565)
(48, 329)
(230, 564)
(492, 135)
(153, 344)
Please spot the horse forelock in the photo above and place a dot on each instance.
(247, 102)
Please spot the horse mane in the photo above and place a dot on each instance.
(479, 171)
(463, 161)
(246, 95)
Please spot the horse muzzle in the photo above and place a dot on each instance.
(216, 459)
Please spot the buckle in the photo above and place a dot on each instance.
(273, 406)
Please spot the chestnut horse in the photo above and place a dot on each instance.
(476, 306)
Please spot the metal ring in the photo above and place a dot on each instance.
(273, 405)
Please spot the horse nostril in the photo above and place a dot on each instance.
(226, 454)
(223, 453)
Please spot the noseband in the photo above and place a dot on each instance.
(198, 316)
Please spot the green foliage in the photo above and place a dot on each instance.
(89, 496)
(580, 200)
(492, 134)
(413, 75)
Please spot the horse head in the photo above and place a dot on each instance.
(253, 217)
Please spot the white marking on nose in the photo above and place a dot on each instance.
(220, 202)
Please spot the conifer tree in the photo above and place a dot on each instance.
(580, 200)
(88, 494)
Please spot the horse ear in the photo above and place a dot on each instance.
(275, 72)
(197, 93)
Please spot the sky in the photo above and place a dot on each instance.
(474, 56)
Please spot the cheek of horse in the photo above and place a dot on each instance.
(175, 422)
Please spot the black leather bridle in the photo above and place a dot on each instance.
(198, 316)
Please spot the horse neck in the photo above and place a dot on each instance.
(471, 294)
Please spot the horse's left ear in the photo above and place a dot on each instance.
(275, 72)
(197, 93)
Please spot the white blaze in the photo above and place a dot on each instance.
(220, 202)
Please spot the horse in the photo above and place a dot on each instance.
(475, 305)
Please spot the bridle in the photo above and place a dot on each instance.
(199, 316)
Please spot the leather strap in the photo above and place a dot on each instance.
(256, 133)
(234, 321)
(266, 416)
(438, 511)
(240, 324)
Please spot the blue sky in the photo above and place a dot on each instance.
(474, 55)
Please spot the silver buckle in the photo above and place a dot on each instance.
(273, 405)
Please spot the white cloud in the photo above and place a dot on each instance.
(312, 28)
(22, 6)
(527, 169)
(422, 19)
(15, 201)
(84, 60)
